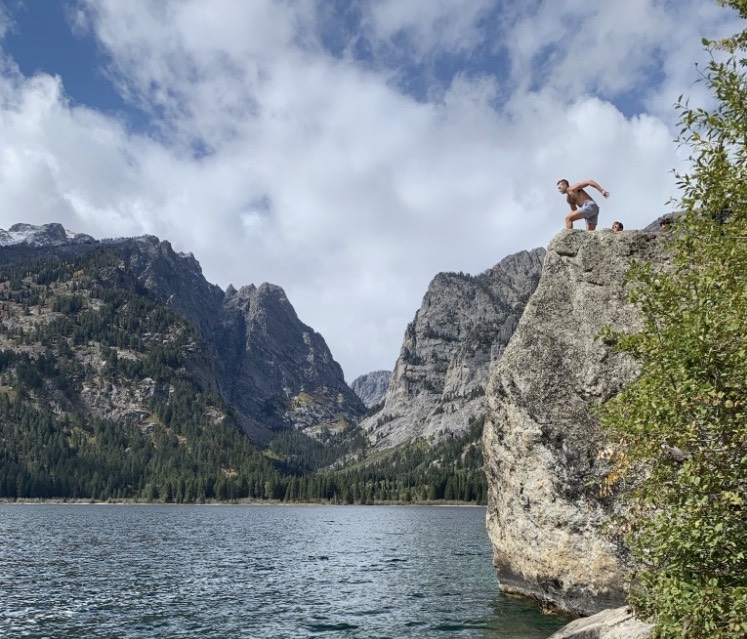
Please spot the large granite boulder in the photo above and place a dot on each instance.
(542, 438)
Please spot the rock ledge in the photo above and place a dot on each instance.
(618, 623)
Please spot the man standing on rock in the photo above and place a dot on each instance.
(582, 206)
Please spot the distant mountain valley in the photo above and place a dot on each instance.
(124, 374)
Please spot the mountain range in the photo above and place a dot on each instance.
(275, 372)
(126, 336)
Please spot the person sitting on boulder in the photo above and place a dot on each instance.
(617, 226)
(582, 206)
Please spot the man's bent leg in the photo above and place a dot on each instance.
(572, 217)
(591, 221)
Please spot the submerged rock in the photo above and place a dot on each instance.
(618, 623)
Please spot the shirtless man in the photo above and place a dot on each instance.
(582, 206)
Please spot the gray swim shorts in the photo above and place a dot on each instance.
(590, 210)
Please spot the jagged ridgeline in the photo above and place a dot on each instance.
(125, 374)
(437, 389)
(96, 400)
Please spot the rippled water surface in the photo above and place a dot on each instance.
(255, 572)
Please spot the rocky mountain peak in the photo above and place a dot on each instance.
(53, 234)
(274, 371)
(272, 363)
(463, 324)
(371, 387)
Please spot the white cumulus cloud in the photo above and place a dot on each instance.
(272, 158)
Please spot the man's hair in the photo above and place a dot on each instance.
(564, 181)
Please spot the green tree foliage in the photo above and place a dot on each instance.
(682, 426)
(51, 446)
(451, 471)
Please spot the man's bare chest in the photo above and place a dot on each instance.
(578, 197)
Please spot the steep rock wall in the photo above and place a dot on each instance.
(274, 371)
(464, 323)
(371, 387)
(542, 438)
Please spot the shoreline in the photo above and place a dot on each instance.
(239, 502)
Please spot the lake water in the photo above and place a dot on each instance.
(254, 571)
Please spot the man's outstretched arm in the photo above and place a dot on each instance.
(585, 183)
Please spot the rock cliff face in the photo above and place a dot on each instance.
(464, 323)
(274, 371)
(371, 387)
(541, 439)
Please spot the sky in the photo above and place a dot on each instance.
(347, 151)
